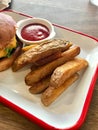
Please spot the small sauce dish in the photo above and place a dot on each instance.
(35, 30)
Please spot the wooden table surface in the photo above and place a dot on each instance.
(79, 15)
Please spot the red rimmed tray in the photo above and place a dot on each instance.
(69, 110)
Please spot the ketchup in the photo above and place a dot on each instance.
(35, 32)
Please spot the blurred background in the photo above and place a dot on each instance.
(62, 12)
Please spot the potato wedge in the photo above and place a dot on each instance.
(45, 70)
(41, 51)
(40, 86)
(66, 70)
(52, 93)
(48, 59)
(26, 48)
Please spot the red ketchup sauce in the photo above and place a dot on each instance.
(35, 32)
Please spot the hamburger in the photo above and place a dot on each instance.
(10, 48)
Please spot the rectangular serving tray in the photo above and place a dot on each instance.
(69, 110)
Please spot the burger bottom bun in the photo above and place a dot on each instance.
(6, 63)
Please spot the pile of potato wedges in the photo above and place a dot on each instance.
(54, 67)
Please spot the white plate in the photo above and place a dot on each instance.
(69, 110)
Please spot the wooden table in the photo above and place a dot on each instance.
(79, 15)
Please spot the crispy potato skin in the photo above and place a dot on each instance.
(52, 93)
(47, 69)
(66, 70)
(38, 52)
(48, 59)
(40, 86)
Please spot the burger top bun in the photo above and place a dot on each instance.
(7, 29)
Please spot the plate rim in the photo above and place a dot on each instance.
(87, 100)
